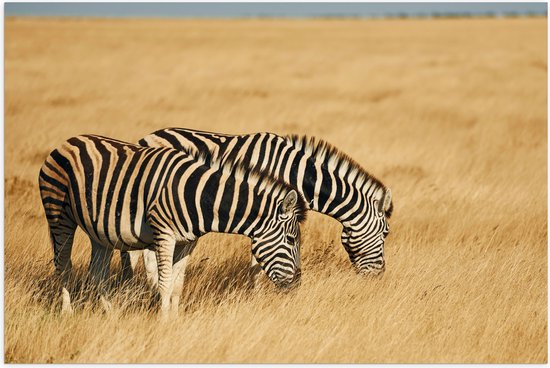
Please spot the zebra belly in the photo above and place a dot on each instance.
(138, 236)
(146, 234)
(126, 237)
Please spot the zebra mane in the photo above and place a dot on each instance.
(332, 158)
(265, 181)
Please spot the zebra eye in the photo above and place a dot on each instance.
(290, 239)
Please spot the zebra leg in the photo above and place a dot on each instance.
(100, 267)
(165, 256)
(129, 260)
(151, 268)
(62, 231)
(181, 257)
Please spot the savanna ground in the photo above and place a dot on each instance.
(451, 114)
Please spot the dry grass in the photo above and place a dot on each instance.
(451, 114)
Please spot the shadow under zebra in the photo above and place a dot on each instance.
(206, 284)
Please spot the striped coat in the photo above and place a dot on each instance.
(130, 197)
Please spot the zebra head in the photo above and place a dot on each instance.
(364, 240)
(276, 246)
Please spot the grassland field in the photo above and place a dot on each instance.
(451, 114)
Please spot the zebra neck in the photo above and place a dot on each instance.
(340, 196)
(221, 203)
(325, 185)
(236, 216)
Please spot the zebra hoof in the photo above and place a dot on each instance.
(67, 311)
(105, 304)
(174, 306)
(164, 316)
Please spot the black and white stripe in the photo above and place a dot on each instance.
(130, 197)
(330, 181)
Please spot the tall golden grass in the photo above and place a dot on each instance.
(450, 114)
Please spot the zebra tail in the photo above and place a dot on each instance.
(53, 183)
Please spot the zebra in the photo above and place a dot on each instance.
(330, 181)
(130, 197)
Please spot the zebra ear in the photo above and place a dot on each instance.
(290, 201)
(385, 202)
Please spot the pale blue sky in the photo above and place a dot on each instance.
(265, 9)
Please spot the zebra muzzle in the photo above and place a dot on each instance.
(289, 281)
